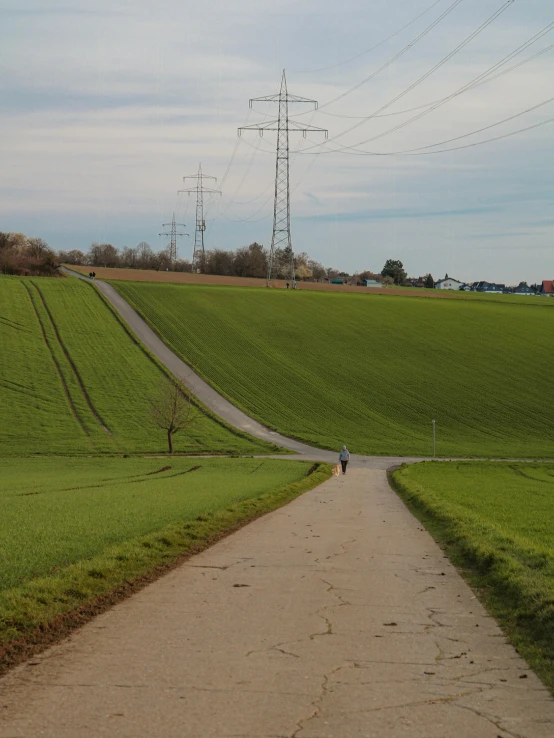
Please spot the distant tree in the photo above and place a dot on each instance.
(250, 261)
(162, 260)
(318, 270)
(128, 257)
(103, 254)
(388, 281)
(26, 256)
(429, 282)
(182, 265)
(303, 271)
(144, 256)
(172, 409)
(395, 269)
(37, 247)
(219, 261)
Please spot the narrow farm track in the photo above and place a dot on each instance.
(214, 401)
(336, 616)
(57, 365)
(72, 363)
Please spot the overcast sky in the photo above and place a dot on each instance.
(107, 104)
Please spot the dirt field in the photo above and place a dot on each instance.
(143, 275)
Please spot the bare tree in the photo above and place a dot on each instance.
(172, 409)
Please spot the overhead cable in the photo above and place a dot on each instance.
(477, 81)
(372, 48)
(474, 85)
(421, 79)
(387, 64)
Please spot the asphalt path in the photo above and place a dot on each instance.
(213, 400)
(336, 616)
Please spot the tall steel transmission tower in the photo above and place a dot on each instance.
(173, 233)
(281, 209)
(200, 190)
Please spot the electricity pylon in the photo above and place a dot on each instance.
(200, 190)
(173, 233)
(281, 208)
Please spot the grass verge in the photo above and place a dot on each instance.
(45, 610)
(494, 521)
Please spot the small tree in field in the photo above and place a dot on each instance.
(172, 409)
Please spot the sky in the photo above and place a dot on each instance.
(107, 104)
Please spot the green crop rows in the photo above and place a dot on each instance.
(72, 380)
(496, 519)
(75, 530)
(370, 371)
(63, 510)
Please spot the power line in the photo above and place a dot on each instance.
(488, 140)
(372, 48)
(442, 151)
(473, 86)
(480, 79)
(431, 71)
(387, 64)
(480, 130)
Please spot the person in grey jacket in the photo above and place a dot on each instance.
(344, 458)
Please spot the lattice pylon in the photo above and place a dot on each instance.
(173, 234)
(198, 255)
(281, 238)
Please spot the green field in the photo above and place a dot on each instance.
(496, 520)
(72, 379)
(74, 528)
(371, 371)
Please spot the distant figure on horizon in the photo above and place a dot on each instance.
(344, 458)
(287, 285)
(94, 275)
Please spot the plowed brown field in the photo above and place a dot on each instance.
(144, 275)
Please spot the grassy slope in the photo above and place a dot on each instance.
(70, 371)
(370, 371)
(496, 520)
(74, 530)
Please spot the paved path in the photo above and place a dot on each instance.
(214, 401)
(336, 616)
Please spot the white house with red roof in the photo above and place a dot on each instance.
(547, 287)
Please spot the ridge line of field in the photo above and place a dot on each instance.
(71, 363)
(57, 365)
(164, 369)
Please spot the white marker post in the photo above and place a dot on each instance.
(434, 439)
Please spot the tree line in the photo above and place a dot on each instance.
(247, 261)
(20, 254)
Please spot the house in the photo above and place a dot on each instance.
(490, 287)
(448, 283)
(523, 289)
(372, 283)
(547, 288)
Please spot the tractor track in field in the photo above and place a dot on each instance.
(71, 363)
(56, 364)
(211, 398)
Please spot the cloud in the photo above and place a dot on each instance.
(106, 104)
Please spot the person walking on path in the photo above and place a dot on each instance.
(344, 458)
